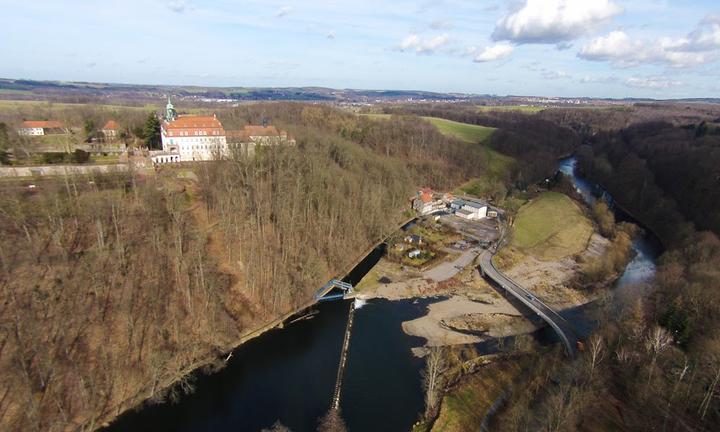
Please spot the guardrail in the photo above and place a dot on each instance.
(522, 294)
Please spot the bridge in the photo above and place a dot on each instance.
(563, 329)
(334, 290)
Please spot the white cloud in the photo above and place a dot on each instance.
(553, 74)
(554, 21)
(178, 6)
(652, 82)
(595, 79)
(420, 45)
(283, 11)
(616, 46)
(494, 52)
(700, 46)
(331, 34)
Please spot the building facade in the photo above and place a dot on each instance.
(194, 138)
(110, 130)
(469, 209)
(426, 201)
(188, 138)
(36, 128)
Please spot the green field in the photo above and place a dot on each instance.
(551, 226)
(527, 109)
(498, 164)
(15, 104)
(466, 132)
(463, 131)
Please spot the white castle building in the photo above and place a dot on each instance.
(189, 138)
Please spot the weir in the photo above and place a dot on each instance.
(343, 358)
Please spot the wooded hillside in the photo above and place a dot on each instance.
(115, 287)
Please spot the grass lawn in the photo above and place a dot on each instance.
(109, 159)
(498, 164)
(377, 116)
(463, 131)
(551, 226)
(53, 142)
(527, 109)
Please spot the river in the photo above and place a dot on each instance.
(646, 247)
(289, 374)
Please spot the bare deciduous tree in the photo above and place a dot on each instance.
(656, 341)
(596, 352)
(433, 379)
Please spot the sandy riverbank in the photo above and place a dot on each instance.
(551, 280)
(473, 311)
(448, 321)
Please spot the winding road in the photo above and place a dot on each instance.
(563, 329)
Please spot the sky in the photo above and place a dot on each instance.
(568, 48)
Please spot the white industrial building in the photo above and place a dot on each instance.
(471, 210)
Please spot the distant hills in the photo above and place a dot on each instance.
(62, 91)
(20, 88)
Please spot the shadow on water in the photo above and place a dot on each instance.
(289, 374)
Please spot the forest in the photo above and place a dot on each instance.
(534, 142)
(665, 174)
(115, 287)
(655, 365)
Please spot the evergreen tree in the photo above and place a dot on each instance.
(151, 132)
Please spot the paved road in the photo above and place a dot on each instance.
(448, 269)
(562, 328)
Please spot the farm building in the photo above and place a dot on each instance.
(111, 129)
(36, 128)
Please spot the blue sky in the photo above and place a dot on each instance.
(600, 48)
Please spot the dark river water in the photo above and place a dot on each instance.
(289, 374)
(646, 247)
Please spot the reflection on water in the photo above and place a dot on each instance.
(289, 374)
(646, 248)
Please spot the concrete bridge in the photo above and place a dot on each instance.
(563, 329)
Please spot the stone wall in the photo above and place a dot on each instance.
(59, 170)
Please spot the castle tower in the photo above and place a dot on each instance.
(170, 113)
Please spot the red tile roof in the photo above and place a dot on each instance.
(111, 125)
(192, 125)
(51, 124)
(194, 121)
(237, 134)
(255, 131)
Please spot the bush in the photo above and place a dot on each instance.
(80, 156)
(76, 157)
(53, 157)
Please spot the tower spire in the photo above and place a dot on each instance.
(170, 113)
